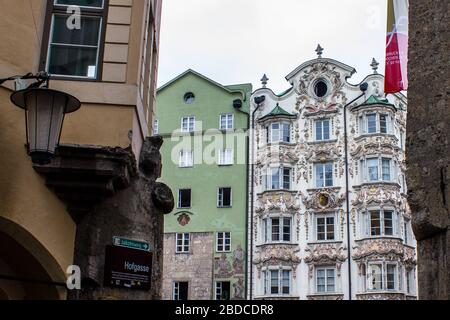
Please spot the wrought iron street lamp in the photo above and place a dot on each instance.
(44, 115)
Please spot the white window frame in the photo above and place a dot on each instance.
(190, 124)
(228, 118)
(326, 269)
(366, 223)
(267, 232)
(365, 176)
(323, 164)
(364, 123)
(218, 289)
(316, 226)
(223, 236)
(226, 157)
(220, 197)
(185, 245)
(383, 277)
(281, 186)
(186, 159)
(267, 281)
(411, 282)
(279, 137)
(316, 122)
(155, 129)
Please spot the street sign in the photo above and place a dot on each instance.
(127, 268)
(132, 244)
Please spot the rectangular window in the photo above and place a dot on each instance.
(386, 169)
(391, 273)
(188, 124)
(279, 132)
(375, 223)
(225, 157)
(223, 242)
(325, 228)
(226, 121)
(277, 230)
(324, 175)
(388, 223)
(372, 169)
(277, 282)
(322, 130)
(411, 282)
(280, 179)
(325, 280)
(180, 291)
(382, 223)
(186, 159)
(375, 276)
(155, 127)
(184, 198)
(224, 198)
(223, 290)
(383, 123)
(371, 123)
(75, 52)
(182, 242)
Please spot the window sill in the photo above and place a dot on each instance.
(277, 190)
(325, 242)
(380, 238)
(184, 208)
(225, 165)
(280, 143)
(372, 183)
(279, 243)
(228, 207)
(376, 134)
(322, 141)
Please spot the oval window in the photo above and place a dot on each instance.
(320, 88)
(189, 98)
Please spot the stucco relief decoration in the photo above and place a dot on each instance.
(223, 267)
(184, 218)
(302, 170)
(283, 202)
(375, 145)
(392, 249)
(322, 199)
(239, 289)
(319, 254)
(277, 255)
(381, 196)
(238, 260)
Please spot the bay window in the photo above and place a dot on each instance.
(277, 282)
(382, 276)
(371, 123)
(277, 230)
(279, 179)
(279, 132)
(379, 223)
(377, 169)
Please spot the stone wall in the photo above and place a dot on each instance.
(428, 143)
(195, 268)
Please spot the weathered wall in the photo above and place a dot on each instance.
(428, 144)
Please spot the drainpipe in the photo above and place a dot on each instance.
(258, 101)
(363, 87)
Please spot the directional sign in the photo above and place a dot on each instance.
(132, 244)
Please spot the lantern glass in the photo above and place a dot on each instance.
(45, 110)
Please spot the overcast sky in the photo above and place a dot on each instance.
(237, 41)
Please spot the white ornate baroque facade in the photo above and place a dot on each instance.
(307, 244)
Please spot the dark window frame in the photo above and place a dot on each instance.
(53, 8)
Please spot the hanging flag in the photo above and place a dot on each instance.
(396, 74)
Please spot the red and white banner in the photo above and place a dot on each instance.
(396, 74)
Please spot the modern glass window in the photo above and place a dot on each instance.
(222, 290)
(182, 242)
(325, 227)
(223, 242)
(226, 121)
(184, 198)
(224, 197)
(324, 174)
(180, 291)
(188, 124)
(375, 123)
(325, 280)
(382, 276)
(73, 51)
(380, 223)
(377, 169)
(277, 282)
(279, 179)
(186, 159)
(225, 157)
(322, 130)
(277, 230)
(279, 132)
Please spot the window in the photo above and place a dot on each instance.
(224, 198)
(182, 242)
(184, 198)
(377, 169)
(320, 88)
(75, 52)
(189, 98)
(223, 243)
(186, 159)
(277, 230)
(225, 157)
(408, 237)
(155, 127)
(188, 124)
(324, 175)
(226, 121)
(380, 223)
(277, 282)
(325, 280)
(279, 132)
(180, 290)
(322, 130)
(223, 290)
(382, 276)
(280, 178)
(375, 123)
(325, 227)
(411, 282)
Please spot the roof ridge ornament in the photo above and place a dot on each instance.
(319, 51)
(264, 80)
(374, 66)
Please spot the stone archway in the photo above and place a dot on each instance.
(27, 270)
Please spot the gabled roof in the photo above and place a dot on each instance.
(229, 89)
(278, 112)
(351, 70)
(375, 101)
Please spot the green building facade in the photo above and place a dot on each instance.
(204, 125)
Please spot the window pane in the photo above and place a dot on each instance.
(383, 123)
(184, 198)
(73, 61)
(321, 229)
(275, 229)
(388, 225)
(319, 135)
(275, 179)
(274, 282)
(330, 228)
(320, 176)
(275, 132)
(286, 179)
(87, 35)
(329, 175)
(376, 276)
(287, 229)
(372, 123)
(326, 129)
(286, 132)
(286, 281)
(81, 3)
(375, 223)
(390, 277)
(372, 167)
(386, 169)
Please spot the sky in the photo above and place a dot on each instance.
(237, 41)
